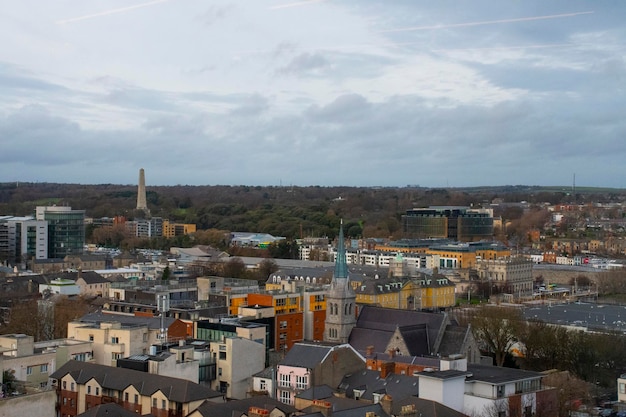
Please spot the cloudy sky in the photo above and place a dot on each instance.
(335, 92)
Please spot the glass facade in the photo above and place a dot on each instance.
(458, 223)
(66, 233)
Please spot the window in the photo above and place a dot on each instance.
(91, 338)
(136, 398)
(97, 390)
(162, 404)
(43, 368)
(72, 386)
(283, 324)
(154, 403)
(263, 385)
(29, 370)
(88, 389)
(280, 302)
(64, 384)
(285, 380)
(219, 371)
(116, 356)
(126, 396)
(301, 381)
(115, 340)
(622, 388)
(222, 355)
(285, 397)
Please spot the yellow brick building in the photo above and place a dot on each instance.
(426, 292)
(177, 229)
(465, 255)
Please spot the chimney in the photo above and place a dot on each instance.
(386, 403)
(369, 351)
(387, 368)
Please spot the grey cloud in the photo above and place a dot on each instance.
(305, 64)
(252, 106)
(345, 108)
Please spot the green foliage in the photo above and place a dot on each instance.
(166, 274)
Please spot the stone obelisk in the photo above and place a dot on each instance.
(141, 192)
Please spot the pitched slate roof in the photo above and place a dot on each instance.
(361, 338)
(109, 410)
(453, 339)
(370, 382)
(416, 338)
(424, 407)
(179, 390)
(379, 324)
(318, 392)
(305, 355)
(240, 407)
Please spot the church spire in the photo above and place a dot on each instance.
(341, 264)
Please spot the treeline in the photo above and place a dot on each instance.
(291, 212)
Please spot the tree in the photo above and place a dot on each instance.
(166, 273)
(544, 345)
(45, 319)
(495, 329)
(66, 310)
(580, 281)
(234, 268)
(267, 267)
(571, 391)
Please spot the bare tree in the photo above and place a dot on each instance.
(495, 329)
(234, 268)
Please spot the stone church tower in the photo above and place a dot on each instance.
(341, 300)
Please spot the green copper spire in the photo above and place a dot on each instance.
(341, 265)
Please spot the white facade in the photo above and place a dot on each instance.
(443, 389)
(621, 389)
(60, 286)
(237, 359)
(515, 273)
(33, 236)
(179, 364)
